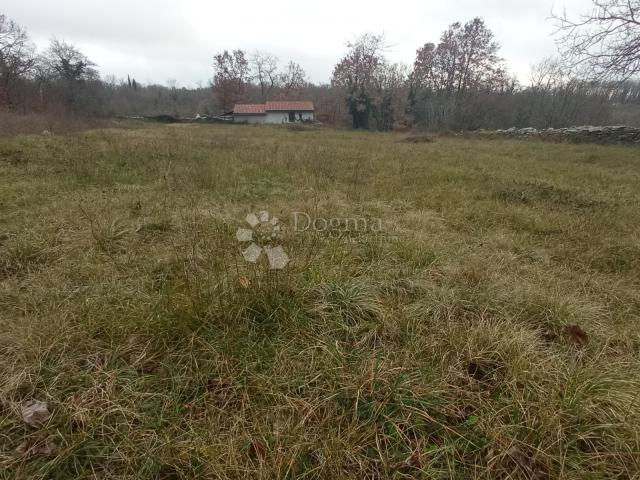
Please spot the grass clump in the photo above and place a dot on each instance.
(20, 255)
(351, 302)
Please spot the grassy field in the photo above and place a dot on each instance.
(487, 327)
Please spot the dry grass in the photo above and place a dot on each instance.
(491, 332)
(37, 123)
(419, 139)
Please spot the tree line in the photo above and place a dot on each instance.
(459, 82)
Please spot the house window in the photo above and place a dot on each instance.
(292, 116)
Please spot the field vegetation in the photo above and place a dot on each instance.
(490, 330)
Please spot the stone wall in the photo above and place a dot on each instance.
(586, 134)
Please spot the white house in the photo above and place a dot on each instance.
(274, 112)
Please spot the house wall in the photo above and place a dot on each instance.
(270, 117)
(283, 117)
(240, 118)
(306, 116)
(277, 117)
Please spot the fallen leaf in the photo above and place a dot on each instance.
(575, 335)
(39, 446)
(35, 412)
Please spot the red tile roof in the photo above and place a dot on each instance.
(249, 108)
(285, 106)
(260, 108)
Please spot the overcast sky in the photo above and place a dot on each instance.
(158, 40)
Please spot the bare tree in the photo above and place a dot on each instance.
(356, 73)
(548, 74)
(264, 69)
(423, 74)
(231, 77)
(555, 98)
(604, 43)
(480, 63)
(16, 57)
(293, 79)
(69, 73)
(388, 101)
(466, 58)
(65, 62)
(451, 82)
(374, 88)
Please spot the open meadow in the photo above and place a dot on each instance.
(462, 308)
